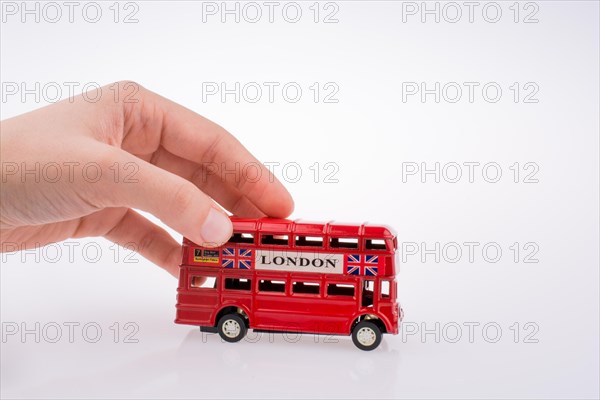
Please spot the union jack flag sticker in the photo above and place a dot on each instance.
(245, 253)
(353, 264)
(361, 265)
(371, 259)
(243, 259)
(228, 257)
(371, 263)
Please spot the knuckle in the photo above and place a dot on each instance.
(199, 175)
(128, 83)
(125, 95)
(183, 198)
(146, 242)
(169, 259)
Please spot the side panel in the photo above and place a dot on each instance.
(269, 308)
(197, 297)
(320, 313)
(234, 294)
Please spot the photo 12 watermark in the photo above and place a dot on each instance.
(69, 172)
(70, 12)
(290, 92)
(454, 12)
(489, 92)
(69, 332)
(471, 252)
(53, 92)
(469, 332)
(470, 172)
(269, 12)
(71, 252)
(288, 171)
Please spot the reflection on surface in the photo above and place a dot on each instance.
(263, 364)
(292, 364)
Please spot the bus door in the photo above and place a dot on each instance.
(202, 295)
(386, 295)
(367, 294)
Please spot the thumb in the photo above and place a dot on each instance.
(173, 199)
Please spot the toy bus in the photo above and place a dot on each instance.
(280, 275)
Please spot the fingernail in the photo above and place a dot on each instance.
(216, 228)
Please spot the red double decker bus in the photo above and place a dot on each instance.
(293, 276)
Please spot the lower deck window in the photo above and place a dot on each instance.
(265, 285)
(306, 287)
(203, 282)
(340, 289)
(238, 284)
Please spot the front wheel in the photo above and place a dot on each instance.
(232, 328)
(366, 335)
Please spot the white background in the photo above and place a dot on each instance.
(369, 134)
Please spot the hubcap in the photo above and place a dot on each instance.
(366, 336)
(231, 328)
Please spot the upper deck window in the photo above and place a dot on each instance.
(280, 240)
(375, 244)
(239, 237)
(309, 241)
(344, 243)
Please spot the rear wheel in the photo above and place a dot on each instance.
(232, 327)
(366, 335)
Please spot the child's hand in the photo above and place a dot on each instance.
(78, 168)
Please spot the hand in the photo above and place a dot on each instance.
(78, 168)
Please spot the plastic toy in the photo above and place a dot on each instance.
(293, 276)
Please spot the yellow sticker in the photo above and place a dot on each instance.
(206, 259)
(206, 256)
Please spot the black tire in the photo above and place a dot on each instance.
(366, 335)
(232, 328)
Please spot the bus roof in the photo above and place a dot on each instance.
(308, 228)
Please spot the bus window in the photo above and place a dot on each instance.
(242, 238)
(367, 293)
(237, 284)
(385, 289)
(265, 285)
(306, 287)
(375, 244)
(344, 243)
(275, 239)
(309, 241)
(340, 289)
(203, 282)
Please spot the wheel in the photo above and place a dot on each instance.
(232, 328)
(366, 335)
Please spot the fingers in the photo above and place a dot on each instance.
(176, 201)
(152, 242)
(155, 121)
(229, 197)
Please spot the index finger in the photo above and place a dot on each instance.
(155, 121)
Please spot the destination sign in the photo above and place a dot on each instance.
(297, 261)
